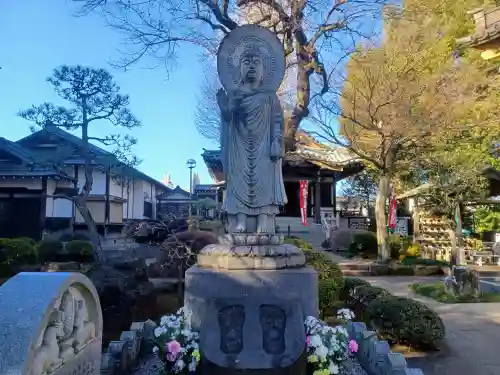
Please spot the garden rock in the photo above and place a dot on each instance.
(426, 270)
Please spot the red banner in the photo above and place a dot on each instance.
(391, 222)
(303, 201)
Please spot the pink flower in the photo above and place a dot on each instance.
(171, 357)
(173, 347)
(308, 340)
(353, 346)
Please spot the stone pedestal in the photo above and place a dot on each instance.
(249, 304)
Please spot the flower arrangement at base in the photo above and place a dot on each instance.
(176, 344)
(327, 347)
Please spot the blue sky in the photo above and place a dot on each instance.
(39, 35)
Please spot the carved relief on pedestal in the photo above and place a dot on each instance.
(69, 331)
(47, 355)
(84, 331)
(231, 321)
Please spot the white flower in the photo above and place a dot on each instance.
(316, 341)
(345, 314)
(155, 349)
(321, 351)
(164, 320)
(333, 368)
(159, 331)
(179, 365)
(192, 365)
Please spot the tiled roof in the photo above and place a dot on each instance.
(97, 151)
(28, 166)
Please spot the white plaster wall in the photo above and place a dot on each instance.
(115, 187)
(137, 200)
(99, 183)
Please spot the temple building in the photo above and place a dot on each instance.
(486, 36)
(321, 165)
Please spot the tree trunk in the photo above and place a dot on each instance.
(381, 217)
(81, 205)
(81, 199)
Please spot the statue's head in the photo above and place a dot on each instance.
(252, 66)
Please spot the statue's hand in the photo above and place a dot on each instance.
(276, 149)
(222, 99)
(235, 100)
(223, 103)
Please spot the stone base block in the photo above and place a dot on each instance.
(251, 319)
(220, 256)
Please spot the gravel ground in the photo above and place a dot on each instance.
(153, 366)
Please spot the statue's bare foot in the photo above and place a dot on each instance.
(240, 223)
(262, 224)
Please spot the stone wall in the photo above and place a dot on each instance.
(375, 356)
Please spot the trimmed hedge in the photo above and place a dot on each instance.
(49, 250)
(80, 251)
(364, 243)
(406, 321)
(350, 284)
(330, 277)
(17, 251)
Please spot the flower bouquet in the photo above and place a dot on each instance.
(176, 344)
(327, 347)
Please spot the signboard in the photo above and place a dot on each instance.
(401, 227)
(357, 222)
(303, 201)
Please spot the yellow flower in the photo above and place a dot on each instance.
(313, 359)
(196, 355)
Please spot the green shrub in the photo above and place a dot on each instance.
(413, 250)
(328, 295)
(80, 251)
(29, 240)
(49, 250)
(398, 245)
(300, 243)
(364, 295)
(324, 266)
(351, 283)
(364, 243)
(411, 260)
(6, 270)
(18, 250)
(405, 321)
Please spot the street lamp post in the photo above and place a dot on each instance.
(191, 164)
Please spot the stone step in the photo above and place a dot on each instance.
(354, 266)
(356, 273)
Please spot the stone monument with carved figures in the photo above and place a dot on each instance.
(250, 293)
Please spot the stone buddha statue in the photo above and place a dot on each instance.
(252, 141)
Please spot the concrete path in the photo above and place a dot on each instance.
(472, 332)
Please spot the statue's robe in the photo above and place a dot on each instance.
(254, 181)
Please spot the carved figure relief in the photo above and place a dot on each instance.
(84, 331)
(67, 333)
(273, 321)
(47, 355)
(67, 307)
(231, 322)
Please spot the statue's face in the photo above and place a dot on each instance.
(251, 68)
